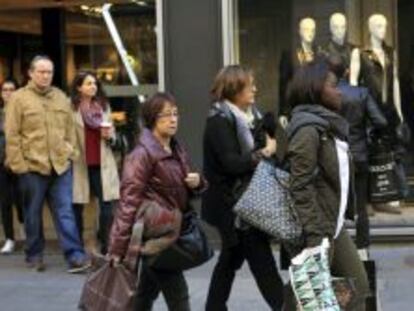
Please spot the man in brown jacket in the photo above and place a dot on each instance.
(39, 147)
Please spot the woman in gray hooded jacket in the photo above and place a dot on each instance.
(321, 171)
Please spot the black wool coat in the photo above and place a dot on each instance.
(227, 170)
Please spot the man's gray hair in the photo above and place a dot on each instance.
(38, 58)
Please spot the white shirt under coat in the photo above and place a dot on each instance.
(342, 150)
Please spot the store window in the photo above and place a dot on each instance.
(118, 42)
(89, 44)
(264, 36)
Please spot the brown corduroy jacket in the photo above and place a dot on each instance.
(39, 131)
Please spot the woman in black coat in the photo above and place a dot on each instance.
(234, 143)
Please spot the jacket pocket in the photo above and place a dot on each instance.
(60, 116)
(32, 121)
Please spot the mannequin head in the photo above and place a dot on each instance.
(377, 25)
(307, 30)
(337, 24)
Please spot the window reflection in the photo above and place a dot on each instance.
(88, 43)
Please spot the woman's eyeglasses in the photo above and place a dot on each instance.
(170, 114)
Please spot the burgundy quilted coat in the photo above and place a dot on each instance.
(150, 173)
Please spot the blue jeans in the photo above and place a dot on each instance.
(57, 190)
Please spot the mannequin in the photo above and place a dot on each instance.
(378, 52)
(307, 30)
(375, 67)
(305, 52)
(337, 45)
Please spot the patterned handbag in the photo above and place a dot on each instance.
(267, 204)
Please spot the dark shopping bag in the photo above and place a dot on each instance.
(190, 250)
(384, 182)
(112, 287)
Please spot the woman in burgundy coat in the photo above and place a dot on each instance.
(158, 169)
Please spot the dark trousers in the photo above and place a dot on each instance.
(105, 209)
(9, 197)
(254, 247)
(361, 193)
(172, 285)
(57, 190)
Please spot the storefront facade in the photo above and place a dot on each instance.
(179, 46)
(259, 34)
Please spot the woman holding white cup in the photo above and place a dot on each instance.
(94, 169)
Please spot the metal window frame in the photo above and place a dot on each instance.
(159, 6)
(114, 33)
(230, 38)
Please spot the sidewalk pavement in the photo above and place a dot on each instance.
(55, 290)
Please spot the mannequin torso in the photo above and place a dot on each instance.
(343, 51)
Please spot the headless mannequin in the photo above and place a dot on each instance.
(303, 54)
(376, 68)
(338, 46)
(377, 27)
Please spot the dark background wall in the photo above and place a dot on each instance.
(262, 38)
(193, 52)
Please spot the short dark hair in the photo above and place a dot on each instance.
(153, 107)
(308, 83)
(38, 58)
(10, 81)
(230, 81)
(75, 96)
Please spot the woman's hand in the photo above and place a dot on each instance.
(107, 132)
(271, 147)
(193, 180)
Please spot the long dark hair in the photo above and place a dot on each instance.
(75, 96)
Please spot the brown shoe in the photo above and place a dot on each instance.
(79, 266)
(387, 208)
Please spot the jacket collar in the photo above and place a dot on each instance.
(42, 92)
(222, 108)
(78, 118)
(154, 147)
(319, 116)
